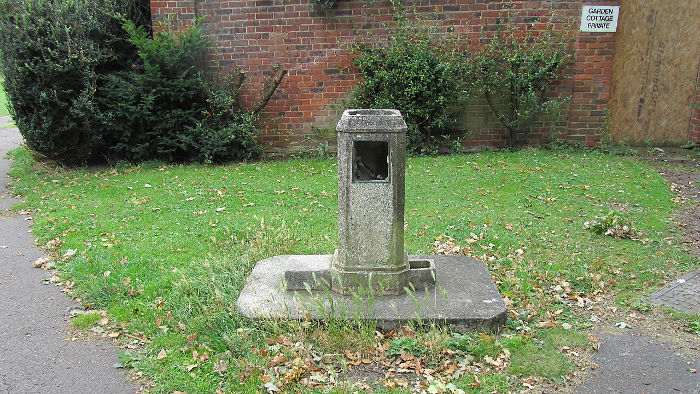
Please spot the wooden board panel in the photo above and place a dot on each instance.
(656, 62)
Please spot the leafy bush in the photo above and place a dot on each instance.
(326, 4)
(151, 109)
(228, 132)
(405, 345)
(53, 56)
(515, 71)
(167, 108)
(416, 74)
(87, 81)
(50, 55)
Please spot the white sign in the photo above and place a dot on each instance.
(600, 18)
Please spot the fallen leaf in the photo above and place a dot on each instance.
(402, 383)
(545, 324)
(528, 382)
(495, 363)
(97, 330)
(41, 261)
(353, 358)
(407, 356)
(278, 359)
(191, 340)
(69, 253)
(220, 366)
(476, 383)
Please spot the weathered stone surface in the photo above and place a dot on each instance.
(464, 297)
(370, 276)
(371, 161)
(421, 273)
(369, 120)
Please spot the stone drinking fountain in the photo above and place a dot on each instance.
(370, 261)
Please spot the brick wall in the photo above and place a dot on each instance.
(694, 129)
(592, 74)
(314, 45)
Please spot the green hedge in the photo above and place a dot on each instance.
(87, 80)
(50, 55)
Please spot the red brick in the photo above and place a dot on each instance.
(314, 47)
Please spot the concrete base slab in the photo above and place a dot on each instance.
(463, 298)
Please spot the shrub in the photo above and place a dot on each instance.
(228, 132)
(167, 108)
(151, 109)
(326, 4)
(86, 81)
(515, 71)
(49, 56)
(417, 74)
(52, 55)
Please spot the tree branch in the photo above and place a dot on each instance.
(502, 118)
(269, 89)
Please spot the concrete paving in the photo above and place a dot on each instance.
(683, 294)
(631, 362)
(36, 353)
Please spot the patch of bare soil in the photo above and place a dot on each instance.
(684, 178)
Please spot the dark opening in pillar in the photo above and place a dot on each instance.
(370, 161)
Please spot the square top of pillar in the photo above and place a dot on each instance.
(371, 121)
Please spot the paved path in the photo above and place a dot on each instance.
(36, 353)
(682, 295)
(632, 362)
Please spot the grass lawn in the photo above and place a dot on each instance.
(3, 99)
(164, 250)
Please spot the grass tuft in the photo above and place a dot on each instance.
(86, 320)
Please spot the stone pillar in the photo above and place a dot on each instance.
(371, 160)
